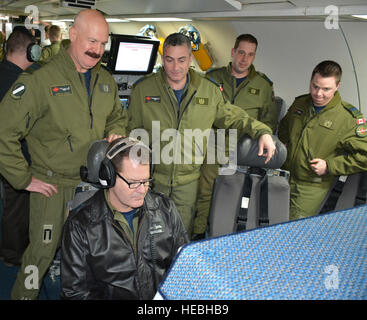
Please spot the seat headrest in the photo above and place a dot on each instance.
(281, 106)
(96, 154)
(247, 150)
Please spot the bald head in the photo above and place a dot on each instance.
(88, 37)
(87, 17)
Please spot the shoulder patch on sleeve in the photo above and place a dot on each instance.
(263, 75)
(217, 84)
(361, 130)
(213, 80)
(353, 110)
(361, 127)
(142, 79)
(17, 90)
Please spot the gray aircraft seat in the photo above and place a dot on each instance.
(281, 106)
(346, 192)
(282, 110)
(85, 190)
(89, 174)
(256, 194)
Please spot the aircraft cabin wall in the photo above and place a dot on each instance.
(287, 51)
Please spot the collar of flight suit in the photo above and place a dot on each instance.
(251, 73)
(336, 100)
(194, 79)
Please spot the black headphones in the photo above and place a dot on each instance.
(96, 154)
(34, 52)
(107, 170)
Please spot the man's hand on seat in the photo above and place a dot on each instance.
(266, 147)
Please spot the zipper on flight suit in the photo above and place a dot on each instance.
(221, 89)
(234, 94)
(28, 120)
(90, 101)
(70, 144)
(89, 96)
(179, 117)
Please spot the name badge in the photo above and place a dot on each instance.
(152, 99)
(60, 90)
(254, 91)
(105, 88)
(298, 112)
(202, 101)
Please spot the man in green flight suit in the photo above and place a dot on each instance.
(244, 87)
(55, 37)
(325, 137)
(174, 101)
(61, 109)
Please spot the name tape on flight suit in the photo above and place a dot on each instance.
(298, 112)
(17, 91)
(152, 99)
(59, 90)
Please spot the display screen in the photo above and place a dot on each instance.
(132, 54)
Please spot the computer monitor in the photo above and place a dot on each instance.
(132, 54)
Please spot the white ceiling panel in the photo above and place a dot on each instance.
(114, 7)
(325, 3)
(196, 9)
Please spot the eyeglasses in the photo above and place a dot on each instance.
(135, 185)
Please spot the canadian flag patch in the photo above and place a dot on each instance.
(361, 120)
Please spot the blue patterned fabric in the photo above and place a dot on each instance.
(322, 257)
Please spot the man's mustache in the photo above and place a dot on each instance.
(93, 55)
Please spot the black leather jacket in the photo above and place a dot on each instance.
(98, 261)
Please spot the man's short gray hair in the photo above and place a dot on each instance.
(177, 39)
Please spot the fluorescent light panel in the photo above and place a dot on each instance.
(362, 16)
(116, 20)
(162, 19)
(146, 19)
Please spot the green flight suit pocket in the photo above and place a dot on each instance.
(252, 111)
(62, 146)
(326, 123)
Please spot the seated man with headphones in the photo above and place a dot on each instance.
(120, 242)
(21, 52)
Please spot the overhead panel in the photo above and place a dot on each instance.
(325, 3)
(128, 7)
(42, 8)
(80, 4)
